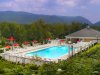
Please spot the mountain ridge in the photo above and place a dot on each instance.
(26, 18)
(97, 23)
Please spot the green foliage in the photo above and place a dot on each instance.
(33, 67)
(48, 69)
(84, 63)
(38, 30)
(2, 71)
(97, 69)
(1, 51)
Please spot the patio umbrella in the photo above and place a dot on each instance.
(11, 38)
(34, 41)
(62, 41)
(16, 44)
(26, 42)
(48, 38)
(8, 47)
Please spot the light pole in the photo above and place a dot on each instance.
(97, 38)
(73, 49)
(69, 47)
(0, 38)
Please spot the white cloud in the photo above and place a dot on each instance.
(95, 1)
(69, 3)
(23, 5)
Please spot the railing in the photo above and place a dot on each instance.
(17, 58)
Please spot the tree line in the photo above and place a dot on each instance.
(39, 30)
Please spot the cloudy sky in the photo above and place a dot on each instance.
(89, 9)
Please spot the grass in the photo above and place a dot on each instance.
(84, 63)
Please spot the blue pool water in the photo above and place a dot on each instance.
(52, 52)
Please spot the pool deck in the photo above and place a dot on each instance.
(19, 55)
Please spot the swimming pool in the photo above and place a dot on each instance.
(52, 52)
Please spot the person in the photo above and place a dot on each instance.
(72, 49)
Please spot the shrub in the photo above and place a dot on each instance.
(2, 71)
(1, 51)
(33, 67)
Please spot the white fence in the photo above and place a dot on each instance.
(28, 59)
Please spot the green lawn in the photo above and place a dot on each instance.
(84, 63)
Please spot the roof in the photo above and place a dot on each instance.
(86, 32)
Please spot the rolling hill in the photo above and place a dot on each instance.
(26, 18)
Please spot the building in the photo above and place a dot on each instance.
(86, 34)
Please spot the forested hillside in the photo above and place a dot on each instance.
(27, 18)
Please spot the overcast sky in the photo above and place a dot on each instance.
(89, 9)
